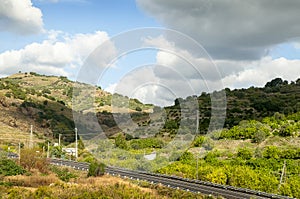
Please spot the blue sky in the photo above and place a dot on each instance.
(248, 42)
(88, 16)
(82, 16)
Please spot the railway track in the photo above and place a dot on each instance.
(196, 186)
(75, 165)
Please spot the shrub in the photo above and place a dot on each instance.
(208, 143)
(138, 108)
(244, 153)
(120, 142)
(96, 169)
(259, 136)
(8, 94)
(271, 152)
(186, 157)
(31, 159)
(199, 141)
(63, 174)
(10, 168)
(146, 143)
(46, 91)
(171, 124)
(212, 157)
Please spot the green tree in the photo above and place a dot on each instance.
(10, 168)
(218, 176)
(186, 157)
(259, 136)
(57, 152)
(244, 153)
(120, 142)
(271, 152)
(96, 169)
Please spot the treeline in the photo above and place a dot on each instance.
(258, 103)
(246, 104)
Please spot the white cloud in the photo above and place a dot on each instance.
(60, 54)
(218, 74)
(177, 73)
(258, 73)
(20, 16)
(181, 60)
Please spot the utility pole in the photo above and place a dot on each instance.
(59, 137)
(19, 152)
(197, 127)
(197, 131)
(48, 150)
(282, 174)
(76, 145)
(197, 167)
(31, 137)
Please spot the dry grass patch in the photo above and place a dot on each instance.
(233, 145)
(108, 180)
(34, 181)
(281, 141)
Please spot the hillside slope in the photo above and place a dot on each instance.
(46, 103)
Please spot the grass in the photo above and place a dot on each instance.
(38, 186)
(13, 135)
(33, 181)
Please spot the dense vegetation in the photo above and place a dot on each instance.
(258, 166)
(247, 104)
(9, 168)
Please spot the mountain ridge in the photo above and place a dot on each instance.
(46, 103)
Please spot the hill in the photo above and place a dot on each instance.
(245, 104)
(46, 103)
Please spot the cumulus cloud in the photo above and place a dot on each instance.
(178, 73)
(238, 35)
(257, 73)
(140, 83)
(162, 84)
(230, 29)
(20, 17)
(60, 54)
(220, 73)
(183, 61)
